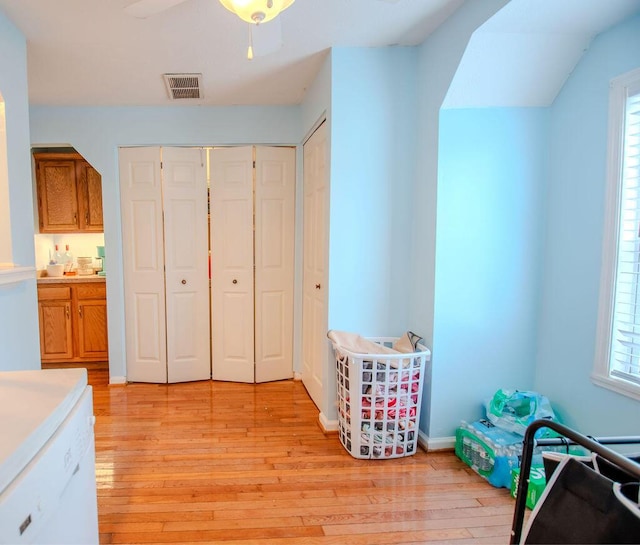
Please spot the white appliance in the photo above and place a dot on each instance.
(47, 458)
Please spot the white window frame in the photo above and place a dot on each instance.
(602, 375)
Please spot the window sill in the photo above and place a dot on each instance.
(617, 385)
(13, 274)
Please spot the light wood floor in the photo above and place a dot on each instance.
(213, 462)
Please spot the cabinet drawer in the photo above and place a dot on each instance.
(53, 293)
(91, 291)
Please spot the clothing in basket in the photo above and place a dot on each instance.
(380, 383)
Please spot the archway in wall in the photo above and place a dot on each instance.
(69, 254)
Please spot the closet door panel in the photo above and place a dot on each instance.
(233, 219)
(186, 267)
(148, 335)
(232, 255)
(274, 345)
(185, 325)
(274, 240)
(143, 260)
(237, 335)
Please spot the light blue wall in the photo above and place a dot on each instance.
(575, 216)
(19, 333)
(373, 146)
(317, 101)
(438, 59)
(98, 132)
(369, 97)
(492, 172)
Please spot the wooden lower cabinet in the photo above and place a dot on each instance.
(56, 337)
(73, 322)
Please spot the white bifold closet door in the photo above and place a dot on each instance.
(164, 226)
(252, 263)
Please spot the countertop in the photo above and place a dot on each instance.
(70, 279)
(34, 404)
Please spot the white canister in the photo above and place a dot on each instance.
(85, 266)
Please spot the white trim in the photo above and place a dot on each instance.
(617, 385)
(435, 443)
(617, 103)
(13, 274)
(610, 231)
(423, 440)
(327, 425)
(315, 126)
(117, 380)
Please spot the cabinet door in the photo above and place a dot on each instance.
(56, 338)
(92, 329)
(57, 196)
(89, 197)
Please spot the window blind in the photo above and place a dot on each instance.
(625, 348)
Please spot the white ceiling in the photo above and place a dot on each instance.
(523, 55)
(91, 52)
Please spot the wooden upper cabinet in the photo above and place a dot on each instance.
(57, 196)
(89, 197)
(69, 194)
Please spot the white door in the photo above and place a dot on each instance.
(184, 183)
(166, 319)
(232, 290)
(274, 262)
(143, 260)
(315, 259)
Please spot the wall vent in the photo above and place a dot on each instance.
(183, 85)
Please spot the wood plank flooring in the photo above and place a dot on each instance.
(214, 462)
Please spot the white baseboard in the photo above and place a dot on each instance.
(427, 443)
(326, 424)
(117, 380)
(297, 376)
(435, 443)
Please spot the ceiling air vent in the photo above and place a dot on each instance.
(183, 85)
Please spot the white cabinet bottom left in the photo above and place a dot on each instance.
(52, 499)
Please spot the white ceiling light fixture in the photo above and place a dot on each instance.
(256, 11)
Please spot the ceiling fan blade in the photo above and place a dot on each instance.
(267, 38)
(146, 8)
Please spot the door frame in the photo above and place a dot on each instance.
(297, 250)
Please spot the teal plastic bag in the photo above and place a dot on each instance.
(514, 410)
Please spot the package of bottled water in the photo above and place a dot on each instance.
(490, 451)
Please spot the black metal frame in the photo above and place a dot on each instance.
(569, 437)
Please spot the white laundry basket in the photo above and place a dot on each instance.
(379, 398)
